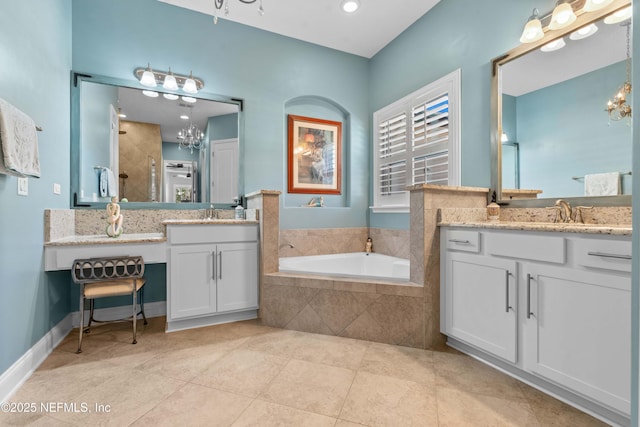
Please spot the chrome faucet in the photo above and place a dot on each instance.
(565, 210)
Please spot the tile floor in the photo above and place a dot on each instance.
(244, 374)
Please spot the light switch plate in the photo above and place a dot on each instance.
(56, 188)
(23, 186)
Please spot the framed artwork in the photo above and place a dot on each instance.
(314, 163)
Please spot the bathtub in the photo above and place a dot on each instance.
(359, 265)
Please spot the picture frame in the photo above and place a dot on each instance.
(314, 164)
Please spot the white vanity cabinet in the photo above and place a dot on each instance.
(212, 274)
(480, 302)
(553, 308)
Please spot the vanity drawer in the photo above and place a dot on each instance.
(463, 240)
(606, 254)
(544, 248)
(218, 233)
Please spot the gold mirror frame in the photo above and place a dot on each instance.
(583, 18)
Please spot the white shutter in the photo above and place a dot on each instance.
(392, 153)
(417, 141)
(430, 141)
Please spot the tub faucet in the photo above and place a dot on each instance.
(565, 210)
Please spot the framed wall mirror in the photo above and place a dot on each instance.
(161, 149)
(550, 125)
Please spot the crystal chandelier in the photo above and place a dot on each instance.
(190, 138)
(220, 4)
(617, 107)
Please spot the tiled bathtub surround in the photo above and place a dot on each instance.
(324, 241)
(390, 242)
(373, 311)
(425, 244)
(406, 315)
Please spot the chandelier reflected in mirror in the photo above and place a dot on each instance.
(190, 138)
(220, 4)
(617, 107)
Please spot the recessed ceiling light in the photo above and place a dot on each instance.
(350, 6)
(150, 93)
(584, 32)
(184, 117)
(170, 96)
(619, 16)
(554, 45)
(189, 99)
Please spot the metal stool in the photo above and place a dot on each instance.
(107, 277)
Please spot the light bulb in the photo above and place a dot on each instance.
(554, 45)
(619, 16)
(593, 5)
(532, 30)
(562, 16)
(148, 78)
(584, 32)
(190, 85)
(189, 99)
(350, 6)
(170, 82)
(170, 96)
(150, 93)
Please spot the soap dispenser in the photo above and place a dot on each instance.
(239, 211)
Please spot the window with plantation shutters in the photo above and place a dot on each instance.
(416, 141)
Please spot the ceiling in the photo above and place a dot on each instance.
(166, 113)
(322, 22)
(541, 69)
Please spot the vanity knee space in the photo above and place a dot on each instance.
(553, 306)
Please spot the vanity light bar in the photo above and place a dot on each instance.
(160, 76)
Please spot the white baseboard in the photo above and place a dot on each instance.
(22, 369)
(151, 309)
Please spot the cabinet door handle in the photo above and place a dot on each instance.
(506, 281)
(220, 266)
(606, 255)
(213, 263)
(462, 242)
(529, 313)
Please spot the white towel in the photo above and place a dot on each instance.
(18, 142)
(107, 183)
(602, 184)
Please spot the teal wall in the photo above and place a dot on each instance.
(563, 128)
(35, 61)
(223, 127)
(510, 156)
(454, 34)
(264, 69)
(170, 151)
(96, 100)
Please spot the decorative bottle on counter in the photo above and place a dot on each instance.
(239, 212)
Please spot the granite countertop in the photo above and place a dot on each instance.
(103, 239)
(206, 221)
(613, 229)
